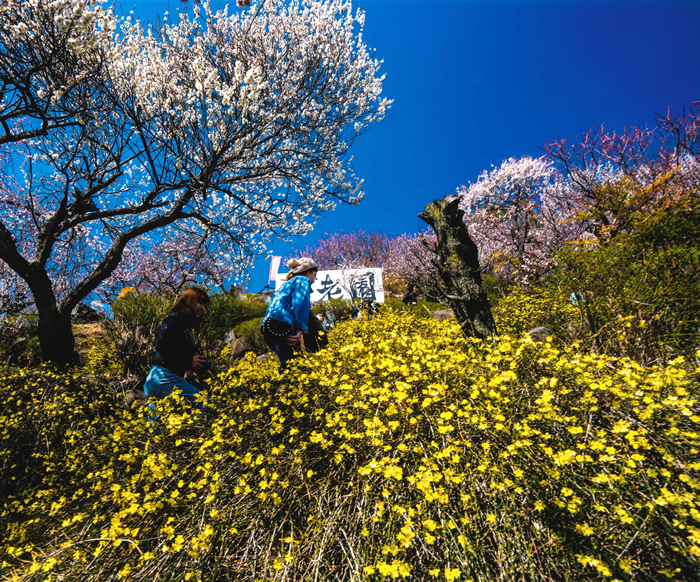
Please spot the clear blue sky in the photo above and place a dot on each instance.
(475, 82)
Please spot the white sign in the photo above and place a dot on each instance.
(359, 284)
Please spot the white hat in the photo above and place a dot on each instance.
(298, 266)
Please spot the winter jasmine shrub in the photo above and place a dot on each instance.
(401, 451)
(423, 308)
(528, 307)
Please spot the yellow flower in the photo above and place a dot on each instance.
(585, 529)
(126, 292)
(393, 471)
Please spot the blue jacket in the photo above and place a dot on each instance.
(291, 303)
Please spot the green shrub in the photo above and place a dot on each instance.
(131, 334)
(134, 329)
(141, 309)
(251, 331)
(334, 310)
(497, 288)
(639, 294)
(401, 450)
(636, 294)
(225, 312)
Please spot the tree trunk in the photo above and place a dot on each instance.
(459, 267)
(56, 336)
(55, 329)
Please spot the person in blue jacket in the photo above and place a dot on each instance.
(175, 347)
(287, 316)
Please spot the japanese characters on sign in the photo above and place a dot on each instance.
(358, 284)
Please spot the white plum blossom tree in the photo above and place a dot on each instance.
(212, 133)
(518, 215)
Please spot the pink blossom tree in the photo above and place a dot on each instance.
(412, 261)
(616, 177)
(591, 189)
(214, 133)
(167, 268)
(352, 250)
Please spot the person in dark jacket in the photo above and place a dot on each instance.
(175, 348)
(315, 338)
(410, 298)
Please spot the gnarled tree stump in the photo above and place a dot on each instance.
(459, 268)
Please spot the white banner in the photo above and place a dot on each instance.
(360, 284)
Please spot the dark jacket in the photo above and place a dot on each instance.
(175, 345)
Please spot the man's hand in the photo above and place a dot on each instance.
(199, 363)
(294, 339)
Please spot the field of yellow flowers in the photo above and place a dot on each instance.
(402, 451)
